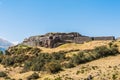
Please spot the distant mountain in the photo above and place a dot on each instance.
(4, 44)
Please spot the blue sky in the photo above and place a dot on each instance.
(23, 18)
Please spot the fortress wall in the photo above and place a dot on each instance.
(80, 40)
(104, 38)
(66, 37)
(61, 38)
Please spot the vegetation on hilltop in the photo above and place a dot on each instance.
(38, 60)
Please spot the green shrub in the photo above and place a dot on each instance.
(114, 51)
(104, 51)
(53, 67)
(37, 67)
(3, 74)
(114, 77)
(98, 52)
(20, 58)
(89, 56)
(38, 63)
(27, 65)
(15, 59)
(110, 44)
(35, 51)
(22, 49)
(68, 65)
(79, 58)
(78, 72)
(58, 56)
(8, 61)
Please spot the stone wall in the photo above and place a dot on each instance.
(80, 40)
(104, 38)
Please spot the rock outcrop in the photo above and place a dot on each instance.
(52, 40)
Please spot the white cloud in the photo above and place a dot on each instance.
(15, 42)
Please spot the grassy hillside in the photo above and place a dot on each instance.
(97, 60)
(102, 69)
(73, 46)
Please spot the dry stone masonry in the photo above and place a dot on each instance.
(104, 38)
(52, 40)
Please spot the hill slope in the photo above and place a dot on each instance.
(101, 69)
(71, 61)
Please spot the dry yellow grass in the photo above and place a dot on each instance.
(14, 73)
(2, 68)
(73, 46)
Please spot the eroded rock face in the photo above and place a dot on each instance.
(52, 40)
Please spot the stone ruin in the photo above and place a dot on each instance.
(52, 40)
